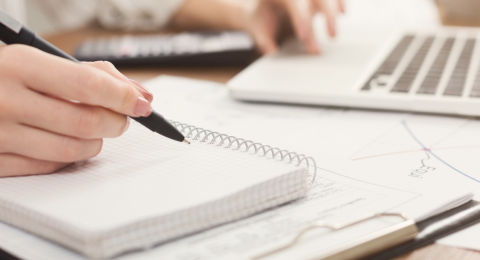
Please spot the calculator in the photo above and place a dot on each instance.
(188, 48)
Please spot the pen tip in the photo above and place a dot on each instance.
(186, 141)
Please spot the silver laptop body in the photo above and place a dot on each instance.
(435, 71)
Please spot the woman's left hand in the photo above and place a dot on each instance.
(263, 19)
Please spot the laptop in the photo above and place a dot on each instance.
(434, 71)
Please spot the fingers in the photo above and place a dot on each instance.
(67, 118)
(329, 13)
(301, 16)
(265, 43)
(341, 6)
(263, 28)
(144, 90)
(17, 165)
(110, 69)
(107, 67)
(73, 81)
(42, 145)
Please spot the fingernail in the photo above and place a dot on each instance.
(148, 95)
(127, 125)
(143, 108)
(333, 28)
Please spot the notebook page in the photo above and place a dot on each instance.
(142, 175)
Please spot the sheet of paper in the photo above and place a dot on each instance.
(415, 152)
(341, 191)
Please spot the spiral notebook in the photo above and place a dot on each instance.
(144, 190)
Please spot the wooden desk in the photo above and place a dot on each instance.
(68, 40)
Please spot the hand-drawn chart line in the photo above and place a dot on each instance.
(429, 151)
(425, 149)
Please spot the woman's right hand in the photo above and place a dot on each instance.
(54, 112)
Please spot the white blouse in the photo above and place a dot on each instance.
(112, 14)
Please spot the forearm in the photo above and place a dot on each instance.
(212, 14)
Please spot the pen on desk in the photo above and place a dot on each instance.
(13, 32)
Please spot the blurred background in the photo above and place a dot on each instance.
(53, 16)
(70, 23)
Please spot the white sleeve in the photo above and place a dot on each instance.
(137, 14)
(15, 8)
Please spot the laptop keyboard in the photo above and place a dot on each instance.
(389, 65)
(476, 85)
(429, 65)
(430, 83)
(410, 73)
(457, 80)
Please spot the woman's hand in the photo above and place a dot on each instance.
(263, 19)
(54, 112)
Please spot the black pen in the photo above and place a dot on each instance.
(13, 32)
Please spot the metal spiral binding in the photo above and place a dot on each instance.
(232, 142)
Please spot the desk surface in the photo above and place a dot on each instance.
(68, 40)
